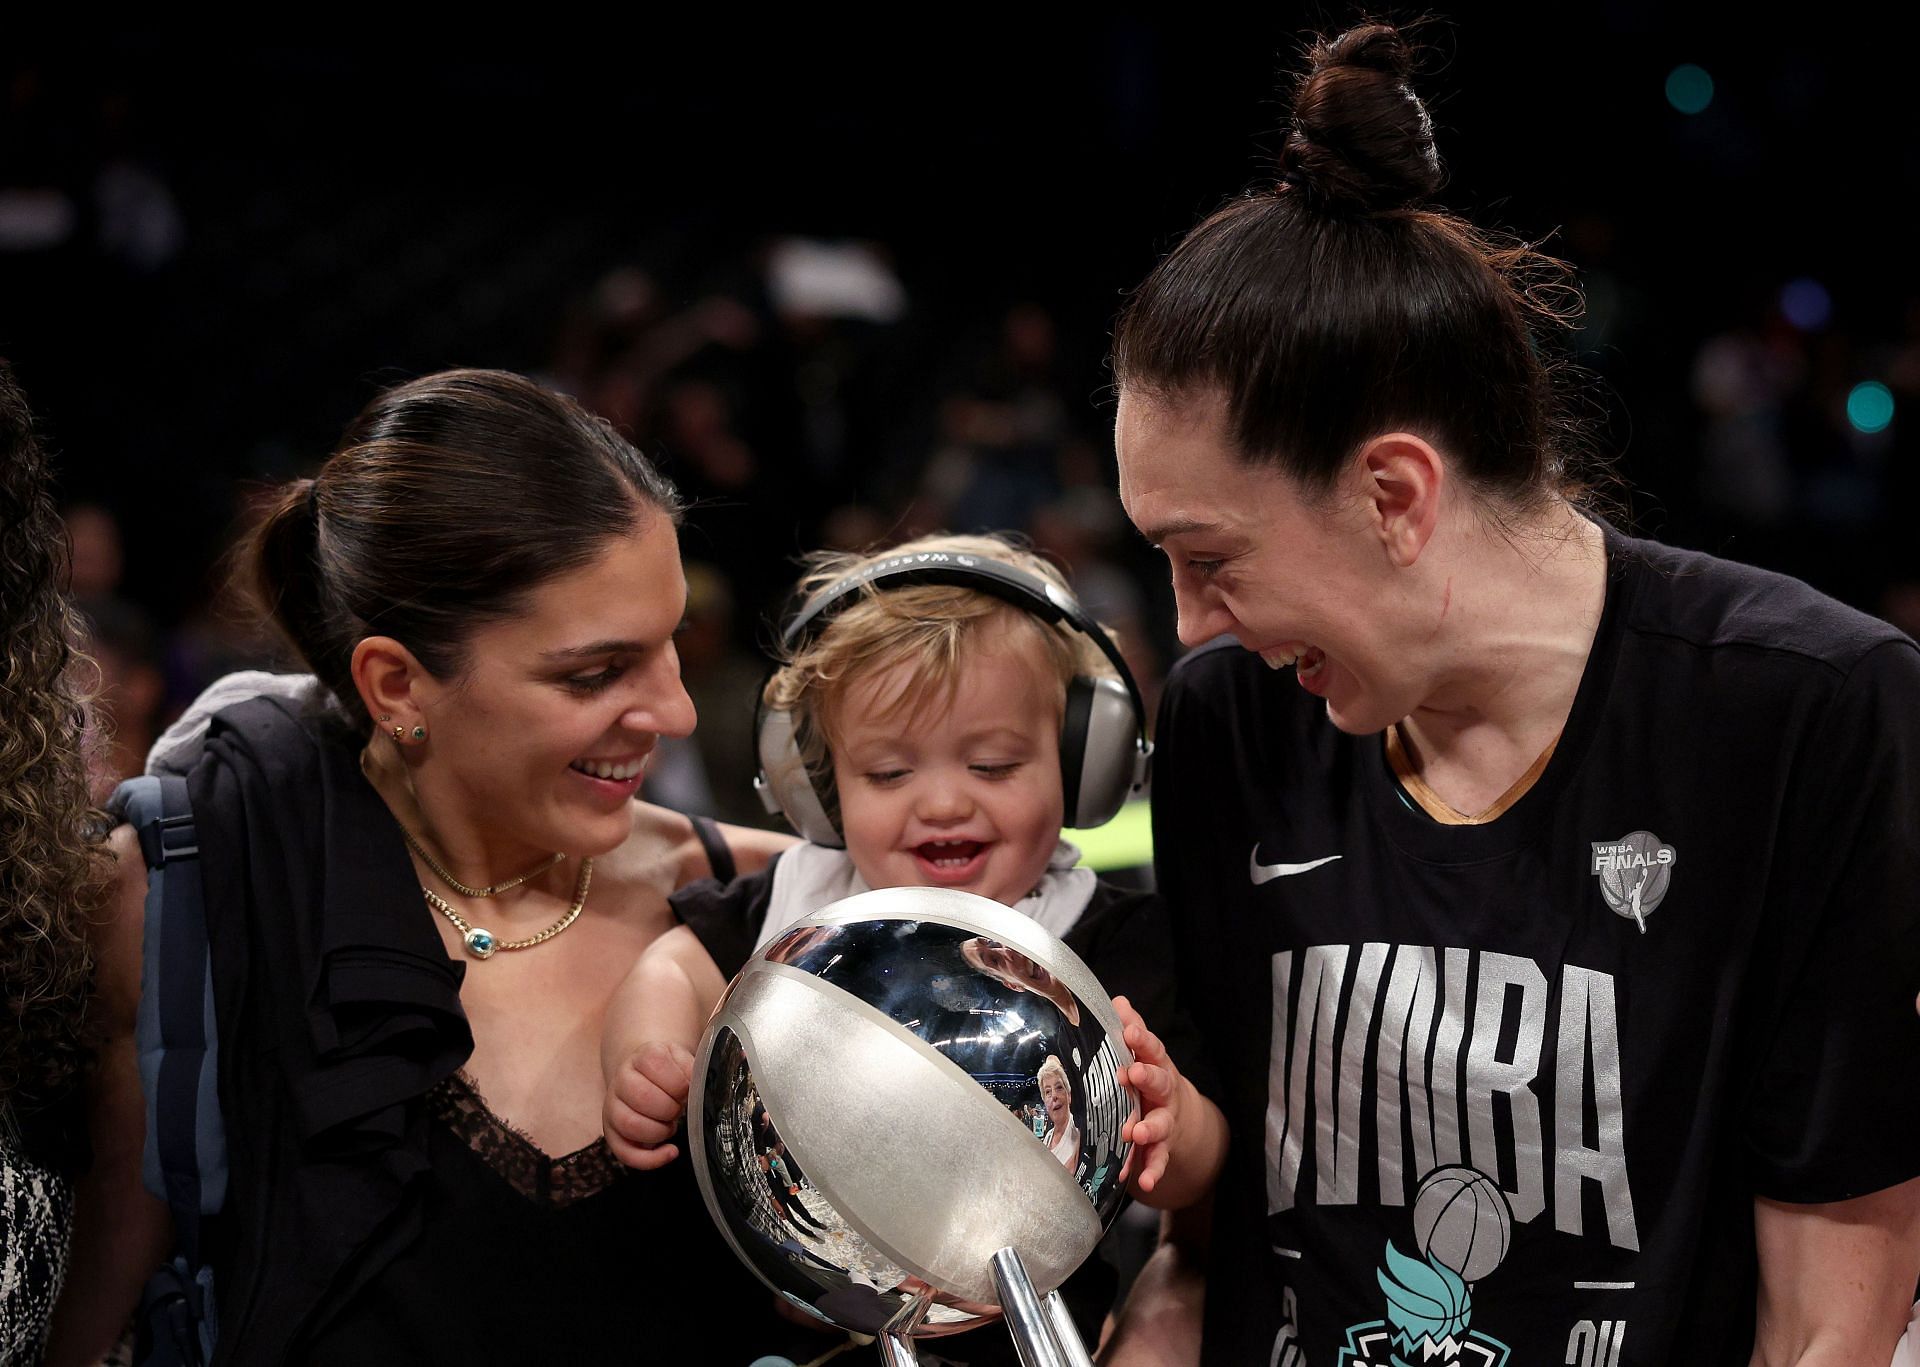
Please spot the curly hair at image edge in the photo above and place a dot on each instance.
(53, 867)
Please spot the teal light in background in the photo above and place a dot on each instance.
(1689, 88)
(1870, 407)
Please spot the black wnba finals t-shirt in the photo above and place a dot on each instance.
(1504, 1094)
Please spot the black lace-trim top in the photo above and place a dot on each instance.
(508, 1151)
(524, 1258)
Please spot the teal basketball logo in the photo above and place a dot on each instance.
(1462, 1228)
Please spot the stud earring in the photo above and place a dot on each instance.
(419, 733)
(399, 733)
(384, 718)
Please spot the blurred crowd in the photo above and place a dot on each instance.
(1806, 447)
(196, 311)
(782, 410)
(779, 410)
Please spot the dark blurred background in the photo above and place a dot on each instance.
(852, 280)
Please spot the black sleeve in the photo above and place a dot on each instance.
(1836, 1112)
(1174, 802)
(1127, 940)
(726, 917)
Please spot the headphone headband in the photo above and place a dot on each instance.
(1042, 598)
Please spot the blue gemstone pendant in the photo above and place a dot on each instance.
(479, 943)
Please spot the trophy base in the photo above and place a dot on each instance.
(1042, 1330)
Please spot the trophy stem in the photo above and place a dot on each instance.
(895, 1343)
(1068, 1337)
(1028, 1322)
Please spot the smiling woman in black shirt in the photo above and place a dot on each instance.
(421, 887)
(1553, 928)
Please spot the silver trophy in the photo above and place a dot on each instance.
(906, 1120)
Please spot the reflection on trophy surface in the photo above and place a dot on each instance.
(908, 1106)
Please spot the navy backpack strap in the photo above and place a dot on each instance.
(189, 1141)
(719, 853)
(184, 1160)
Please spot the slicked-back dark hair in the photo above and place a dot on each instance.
(449, 499)
(1334, 306)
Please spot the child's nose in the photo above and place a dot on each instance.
(945, 800)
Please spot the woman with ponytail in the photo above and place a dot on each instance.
(425, 874)
(1553, 928)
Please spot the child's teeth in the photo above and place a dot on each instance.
(946, 861)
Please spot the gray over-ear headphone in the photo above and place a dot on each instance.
(1104, 750)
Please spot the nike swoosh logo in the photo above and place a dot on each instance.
(1266, 873)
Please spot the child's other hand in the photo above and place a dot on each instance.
(1154, 1126)
(645, 1100)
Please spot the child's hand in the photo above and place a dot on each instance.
(1154, 1127)
(644, 1104)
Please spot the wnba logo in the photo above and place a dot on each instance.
(1634, 872)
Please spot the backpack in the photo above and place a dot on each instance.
(184, 1158)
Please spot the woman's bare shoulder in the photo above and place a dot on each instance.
(754, 849)
(672, 833)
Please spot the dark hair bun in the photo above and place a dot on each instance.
(1360, 138)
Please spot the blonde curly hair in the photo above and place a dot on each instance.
(932, 627)
(53, 863)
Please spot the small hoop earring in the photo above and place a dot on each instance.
(384, 718)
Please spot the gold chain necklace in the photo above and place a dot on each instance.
(420, 849)
(480, 942)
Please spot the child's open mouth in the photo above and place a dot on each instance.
(950, 861)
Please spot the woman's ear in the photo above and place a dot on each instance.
(1403, 478)
(391, 683)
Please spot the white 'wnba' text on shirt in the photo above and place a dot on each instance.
(1428, 1098)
